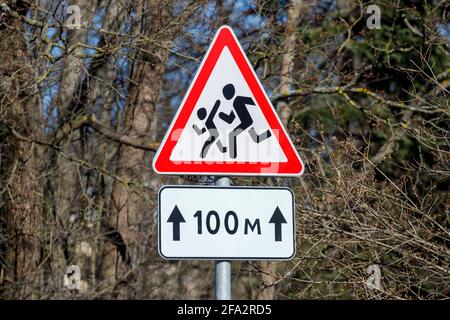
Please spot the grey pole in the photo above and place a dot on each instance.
(223, 268)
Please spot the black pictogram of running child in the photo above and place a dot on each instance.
(210, 126)
(240, 104)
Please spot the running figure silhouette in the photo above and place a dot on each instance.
(210, 126)
(240, 104)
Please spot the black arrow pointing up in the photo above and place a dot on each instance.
(176, 218)
(277, 219)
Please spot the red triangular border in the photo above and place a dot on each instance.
(162, 163)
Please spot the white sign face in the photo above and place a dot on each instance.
(255, 142)
(226, 223)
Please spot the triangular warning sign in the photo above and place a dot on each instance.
(226, 124)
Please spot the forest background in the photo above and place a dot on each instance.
(88, 89)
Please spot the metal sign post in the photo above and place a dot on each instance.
(223, 268)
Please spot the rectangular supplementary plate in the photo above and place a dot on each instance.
(226, 223)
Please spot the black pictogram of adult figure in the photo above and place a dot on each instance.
(210, 126)
(240, 104)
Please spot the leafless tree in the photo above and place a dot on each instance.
(84, 107)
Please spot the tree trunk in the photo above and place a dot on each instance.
(268, 269)
(66, 176)
(20, 170)
(131, 207)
